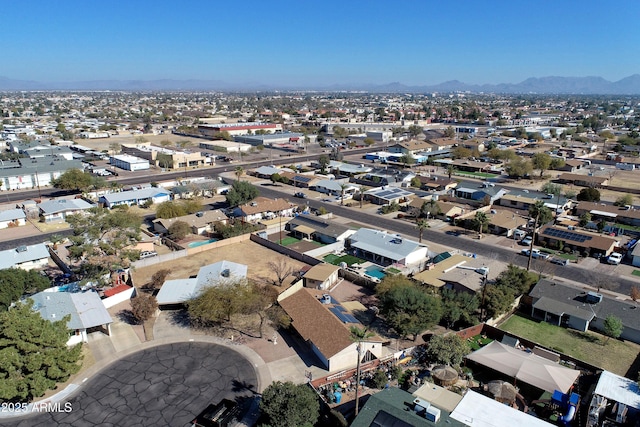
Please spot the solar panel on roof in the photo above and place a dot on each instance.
(340, 308)
(341, 316)
(566, 235)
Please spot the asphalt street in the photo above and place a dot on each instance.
(168, 385)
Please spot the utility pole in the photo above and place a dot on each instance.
(533, 238)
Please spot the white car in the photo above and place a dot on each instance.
(615, 258)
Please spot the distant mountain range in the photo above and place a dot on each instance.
(534, 85)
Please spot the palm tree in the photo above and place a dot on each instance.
(481, 220)
(541, 215)
(450, 170)
(358, 335)
(421, 225)
(343, 187)
(239, 172)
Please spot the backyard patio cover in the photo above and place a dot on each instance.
(526, 367)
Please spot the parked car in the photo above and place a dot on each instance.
(526, 252)
(615, 258)
(526, 241)
(148, 254)
(559, 261)
(300, 194)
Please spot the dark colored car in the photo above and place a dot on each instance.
(300, 195)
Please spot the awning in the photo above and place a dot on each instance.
(603, 213)
(303, 229)
(526, 367)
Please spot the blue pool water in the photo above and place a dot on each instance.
(376, 272)
(201, 242)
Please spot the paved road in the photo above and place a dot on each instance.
(570, 272)
(168, 385)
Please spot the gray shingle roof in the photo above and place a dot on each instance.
(63, 205)
(126, 196)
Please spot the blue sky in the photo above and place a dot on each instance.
(310, 43)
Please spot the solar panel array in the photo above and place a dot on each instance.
(342, 315)
(300, 178)
(566, 235)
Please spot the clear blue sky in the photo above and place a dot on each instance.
(302, 42)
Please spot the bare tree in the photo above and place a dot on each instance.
(143, 306)
(157, 279)
(282, 269)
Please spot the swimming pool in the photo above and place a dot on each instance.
(201, 242)
(375, 271)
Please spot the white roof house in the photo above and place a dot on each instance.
(57, 210)
(15, 216)
(331, 186)
(476, 410)
(25, 257)
(619, 389)
(179, 291)
(136, 197)
(85, 308)
(385, 248)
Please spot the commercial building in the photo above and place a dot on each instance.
(234, 129)
(165, 158)
(225, 146)
(129, 163)
(26, 173)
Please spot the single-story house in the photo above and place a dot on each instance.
(388, 195)
(470, 277)
(324, 324)
(564, 305)
(25, 257)
(505, 222)
(477, 410)
(431, 275)
(635, 255)
(86, 310)
(412, 147)
(58, 210)
(135, 197)
(398, 408)
(583, 180)
(610, 213)
(572, 165)
(334, 187)
(12, 218)
(178, 291)
(266, 171)
(264, 208)
(430, 184)
(307, 227)
(490, 194)
(384, 248)
(200, 222)
(321, 276)
(615, 392)
(591, 243)
(341, 168)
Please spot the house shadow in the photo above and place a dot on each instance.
(301, 348)
(633, 370)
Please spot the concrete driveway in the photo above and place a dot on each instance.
(165, 385)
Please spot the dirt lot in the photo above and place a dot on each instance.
(252, 254)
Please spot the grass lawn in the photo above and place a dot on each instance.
(289, 241)
(635, 272)
(392, 270)
(559, 254)
(613, 355)
(348, 259)
(476, 174)
(478, 341)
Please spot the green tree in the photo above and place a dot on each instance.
(170, 209)
(518, 167)
(589, 194)
(74, 179)
(450, 132)
(555, 189)
(143, 306)
(556, 163)
(585, 219)
(612, 327)
(409, 310)
(625, 200)
(103, 240)
(179, 230)
(34, 356)
(415, 130)
(541, 161)
(497, 300)
(407, 159)
(517, 279)
(241, 192)
(447, 349)
(238, 172)
(461, 153)
(15, 282)
(323, 161)
(286, 404)
(458, 307)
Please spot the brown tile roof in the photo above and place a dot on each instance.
(597, 180)
(321, 272)
(443, 141)
(618, 210)
(315, 323)
(263, 204)
(506, 219)
(194, 220)
(595, 241)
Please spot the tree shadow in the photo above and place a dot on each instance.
(240, 386)
(127, 317)
(180, 318)
(585, 336)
